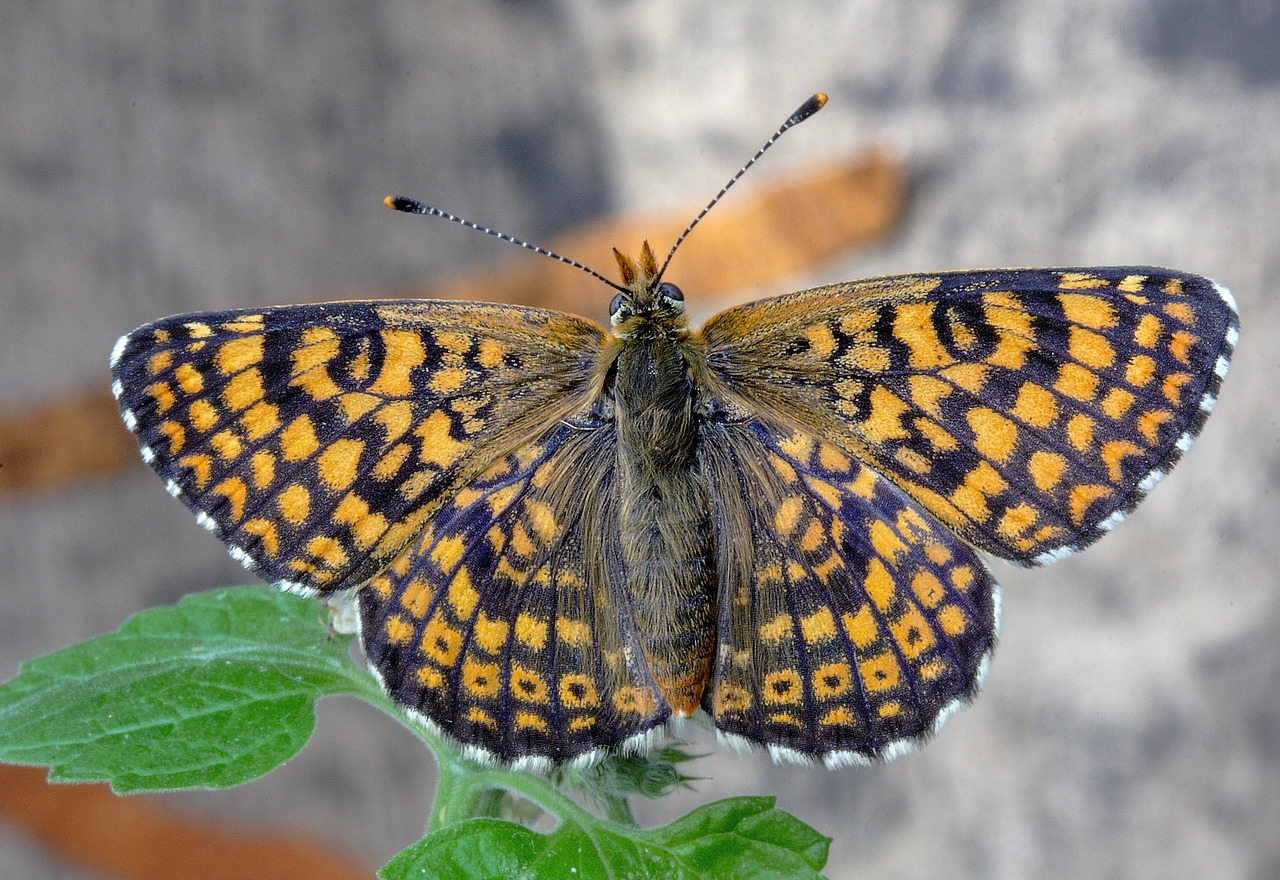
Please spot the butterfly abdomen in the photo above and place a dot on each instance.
(663, 520)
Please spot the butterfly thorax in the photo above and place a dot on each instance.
(664, 527)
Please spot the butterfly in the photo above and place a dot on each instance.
(564, 536)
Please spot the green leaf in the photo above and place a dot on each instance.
(210, 693)
(735, 839)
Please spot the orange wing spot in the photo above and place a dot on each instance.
(912, 460)
(1140, 370)
(1116, 403)
(886, 541)
(777, 630)
(799, 446)
(243, 391)
(490, 353)
(390, 463)
(430, 677)
(1093, 311)
(198, 330)
(1150, 422)
(159, 362)
(927, 393)
(840, 716)
(298, 441)
(1080, 281)
(462, 596)
(395, 417)
(162, 394)
(1083, 497)
(239, 354)
(573, 633)
(863, 485)
(398, 630)
(189, 380)
(175, 434)
(260, 419)
(327, 551)
(936, 435)
(521, 543)
(440, 641)
(339, 464)
(879, 673)
(832, 680)
(1113, 454)
(890, 710)
(861, 627)
(912, 633)
(476, 715)
(578, 692)
(933, 670)
(884, 421)
(448, 552)
(995, 436)
(1076, 382)
(235, 491)
(928, 588)
(355, 405)
(1172, 388)
(731, 699)
(1090, 348)
(1180, 345)
(783, 688)
(1147, 333)
(818, 627)
(226, 444)
(531, 631)
(200, 465)
(970, 498)
(1180, 312)
(634, 700)
(295, 503)
(832, 459)
(403, 352)
(784, 718)
(938, 553)
(263, 465)
(1080, 431)
(437, 446)
(530, 721)
(913, 325)
(1046, 469)
(480, 679)
(970, 377)
(449, 380)
(582, 722)
(879, 585)
(1132, 283)
(490, 634)
(265, 531)
(543, 520)
(788, 515)
(962, 577)
(821, 341)
(1016, 520)
(865, 356)
(813, 538)
(202, 415)
(1035, 406)
(953, 619)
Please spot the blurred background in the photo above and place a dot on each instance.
(160, 157)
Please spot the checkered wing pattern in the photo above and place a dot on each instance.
(317, 441)
(1028, 410)
(850, 622)
(505, 622)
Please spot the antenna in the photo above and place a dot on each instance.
(803, 112)
(413, 206)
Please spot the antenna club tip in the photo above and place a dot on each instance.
(399, 203)
(819, 98)
(807, 109)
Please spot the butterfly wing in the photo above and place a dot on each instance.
(505, 623)
(849, 622)
(317, 441)
(1028, 410)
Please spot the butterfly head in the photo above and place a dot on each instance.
(646, 303)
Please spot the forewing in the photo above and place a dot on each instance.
(850, 624)
(316, 441)
(1029, 410)
(505, 623)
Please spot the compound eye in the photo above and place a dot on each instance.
(671, 292)
(615, 305)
